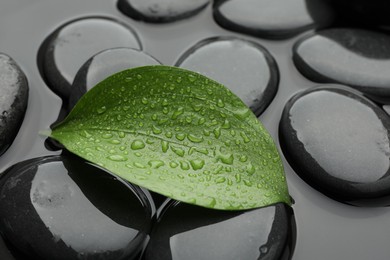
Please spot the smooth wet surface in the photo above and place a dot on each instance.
(353, 57)
(338, 141)
(104, 64)
(70, 45)
(193, 233)
(244, 67)
(64, 208)
(327, 229)
(272, 18)
(161, 11)
(13, 100)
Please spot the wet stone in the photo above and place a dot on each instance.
(66, 49)
(195, 233)
(245, 67)
(13, 100)
(276, 19)
(338, 142)
(161, 11)
(103, 65)
(353, 57)
(64, 208)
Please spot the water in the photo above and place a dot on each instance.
(326, 229)
(74, 210)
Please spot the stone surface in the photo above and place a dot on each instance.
(103, 65)
(354, 57)
(13, 100)
(245, 67)
(372, 13)
(161, 11)
(194, 233)
(338, 142)
(73, 43)
(272, 18)
(64, 208)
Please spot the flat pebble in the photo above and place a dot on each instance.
(13, 100)
(64, 208)
(275, 19)
(161, 11)
(194, 233)
(245, 67)
(338, 142)
(353, 57)
(103, 65)
(73, 43)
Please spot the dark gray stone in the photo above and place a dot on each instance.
(360, 13)
(13, 100)
(193, 233)
(276, 19)
(103, 65)
(245, 67)
(338, 141)
(161, 11)
(64, 208)
(73, 43)
(353, 57)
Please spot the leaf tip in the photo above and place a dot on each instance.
(45, 133)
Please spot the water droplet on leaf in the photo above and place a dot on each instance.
(197, 164)
(117, 158)
(137, 144)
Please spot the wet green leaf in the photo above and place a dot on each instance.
(180, 134)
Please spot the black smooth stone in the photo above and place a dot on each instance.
(362, 12)
(13, 100)
(194, 233)
(338, 142)
(161, 11)
(73, 43)
(64, 208)
(353, 57)
(276, 19)
(103, 65)
(243, 66)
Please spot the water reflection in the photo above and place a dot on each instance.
(75, 210)
(190, 232)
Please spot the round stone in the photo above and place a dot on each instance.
(13, 100)
(353, 57)
(103, 65)
(73, 43)
(161, 11)
(64, 208)
(338, 142)
(245, 67)
(195, 233)
(273, 19)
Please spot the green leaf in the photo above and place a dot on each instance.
(180, 134)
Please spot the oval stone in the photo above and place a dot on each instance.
(103, 65)
(13, 100)
(338, 142)
(245, 67)
(195, 233)
(354, 57)
(161, 11)
(73, 43)
(275, 19)
(64, 208)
